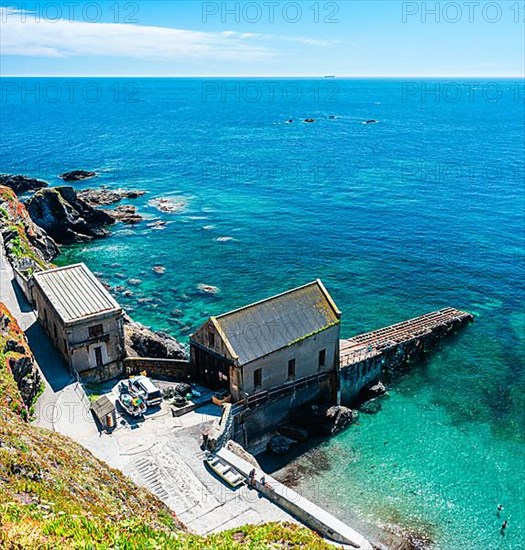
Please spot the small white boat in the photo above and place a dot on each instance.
(223, 470)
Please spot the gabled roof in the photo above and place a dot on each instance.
(263, 327)
(102, 407)
(75, 293)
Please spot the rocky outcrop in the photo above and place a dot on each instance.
(18, 359)
(26, 244)
(375, 391)
(143, 342)
(126, 213)
(337, 418)
(67, 218)
(168, 204)
(326, 420)
(77, 175)
(104, 196)
(26, 377)
(21, 184)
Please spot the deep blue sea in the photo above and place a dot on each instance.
(422, 210)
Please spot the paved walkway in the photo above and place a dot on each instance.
(63, 406)
(312, 515)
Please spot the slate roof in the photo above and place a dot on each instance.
(74, 292)
(263, 327)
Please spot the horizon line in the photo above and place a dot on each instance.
(327, 77)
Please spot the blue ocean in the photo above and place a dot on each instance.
(419, 209)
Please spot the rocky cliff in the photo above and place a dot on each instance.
(18, 372)
(66, 217)
(26, 244)
(143, 342)
(21, 184)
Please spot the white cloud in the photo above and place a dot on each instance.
(23, 35)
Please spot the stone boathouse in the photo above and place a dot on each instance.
(83, 320)
(278, 343)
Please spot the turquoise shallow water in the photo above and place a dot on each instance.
(420, 211)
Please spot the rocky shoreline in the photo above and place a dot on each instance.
(33, 232)
(62, 216)
(22, 184)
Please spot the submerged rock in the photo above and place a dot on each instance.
(67, 218)
(279, 444)
(21, 184)
(77, 175)
(159, 224)
(168, 205)
(294, 432)
(370, 407)
(208, 289)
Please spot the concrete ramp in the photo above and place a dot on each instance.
(304, 510)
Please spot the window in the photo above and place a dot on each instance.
(257, 378)
(95, 331)
(322, 358)
(98, 357)
(55, 331)
(291, 368)
(211, 339)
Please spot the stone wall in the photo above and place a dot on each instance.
(25, 283)
(222, 429)
(163, 369)
(353, 379)
(254, 426)
(101, 374)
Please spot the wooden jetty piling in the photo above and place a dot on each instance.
(363, 358)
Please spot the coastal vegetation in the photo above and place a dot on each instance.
(25, 243)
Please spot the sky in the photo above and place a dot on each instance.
(262, 38)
